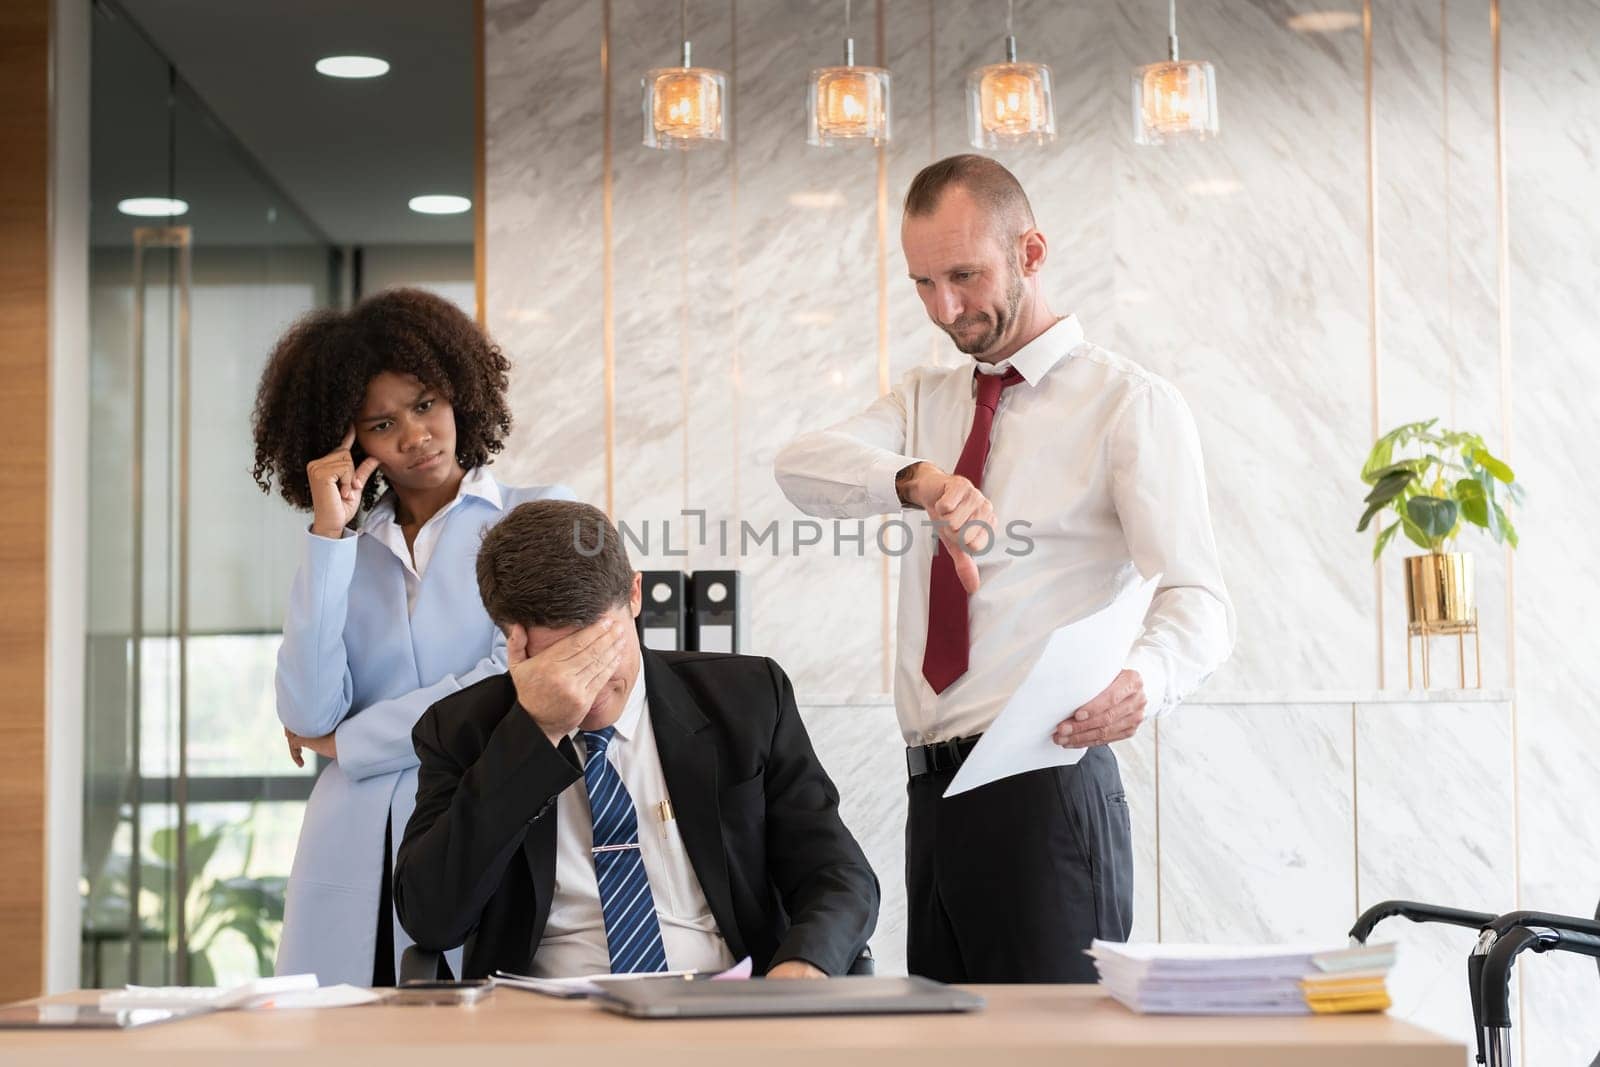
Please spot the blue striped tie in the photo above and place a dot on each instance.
(633, 933)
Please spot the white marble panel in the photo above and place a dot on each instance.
(1438, 305)
(1257, 827)
(711, 313)
(807, 339)
(861, 749)
(545, 288)
(1435, 824)
(673, 278)
(1241, 277)
(1551, 52)
(651, 221)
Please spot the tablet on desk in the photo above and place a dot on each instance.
(85, 1017)
(855, 995)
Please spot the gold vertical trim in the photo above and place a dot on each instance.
(684, 264)
(480, 168)
(1503, 284)
(608, 324)
(1156, 759)
(933, 129)
(1374, 378)
(736, 382)
(1355, 800)
(1503, 270)
(933, 84)
(887, 658)
(1452, 350)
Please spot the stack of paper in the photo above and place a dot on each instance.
(1244, 979)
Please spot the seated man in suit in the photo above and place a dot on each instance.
(604, 807)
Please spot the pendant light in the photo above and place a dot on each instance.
(847, 105)
(1010, 104)
(1175, 100)
(685, 106)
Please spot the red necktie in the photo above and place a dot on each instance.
(945, 657)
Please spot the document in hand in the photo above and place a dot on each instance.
(1078, 661)
(1244, 979)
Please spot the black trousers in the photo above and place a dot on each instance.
(1011, 881)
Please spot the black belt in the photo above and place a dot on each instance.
(939, 756)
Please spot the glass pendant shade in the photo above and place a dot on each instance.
(1175, 100)
(685, 107)
(1010, 103)
(847, 105)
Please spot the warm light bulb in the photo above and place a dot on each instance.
(1174, 99)
(683, 107)
(848, 105)
(1011, 100)
(1008, 104)
(680, 102)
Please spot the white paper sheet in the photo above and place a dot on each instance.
(1078, 661)
(342, 995)
(216, 998)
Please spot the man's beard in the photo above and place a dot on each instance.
(990, 339)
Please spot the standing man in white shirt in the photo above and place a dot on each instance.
(1055, 473)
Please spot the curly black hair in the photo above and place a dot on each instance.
(316, 380)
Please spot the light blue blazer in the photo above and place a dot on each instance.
(355, 664)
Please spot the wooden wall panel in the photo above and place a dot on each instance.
(24, 469)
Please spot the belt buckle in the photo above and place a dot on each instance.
(950, 750)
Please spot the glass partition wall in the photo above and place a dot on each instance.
(191, 801)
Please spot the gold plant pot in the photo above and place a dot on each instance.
(1441, 596)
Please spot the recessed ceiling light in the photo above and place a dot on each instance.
(152, 207)
(440, 205)
(1325, 21)
(353, 66)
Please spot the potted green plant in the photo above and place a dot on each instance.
(1437, 482)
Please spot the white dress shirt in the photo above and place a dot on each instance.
(1101, 457)
(574, 941)
(381, 524)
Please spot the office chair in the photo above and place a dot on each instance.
(1501, 939)
(421, 965)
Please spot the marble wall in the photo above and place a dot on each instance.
(1550, 54)
(675, 318)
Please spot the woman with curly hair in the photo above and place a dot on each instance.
(390, 413)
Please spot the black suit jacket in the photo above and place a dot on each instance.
(758, 815)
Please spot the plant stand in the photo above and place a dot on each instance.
(1427, 631)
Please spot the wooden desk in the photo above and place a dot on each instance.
(1047, 1026)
